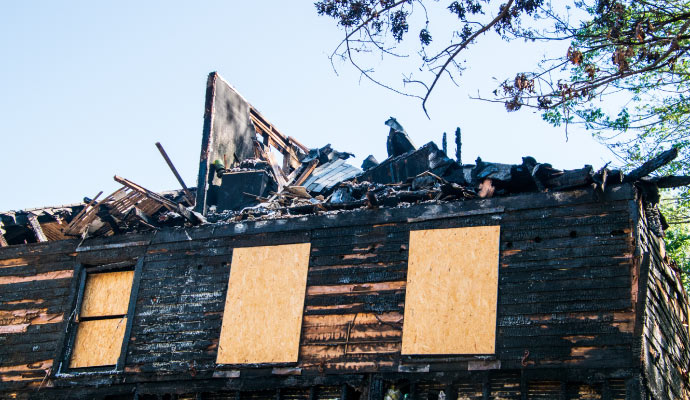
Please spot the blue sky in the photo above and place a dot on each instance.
(87, 88)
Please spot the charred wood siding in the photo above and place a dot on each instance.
(565, 323)
(35, 284)
(665, 323)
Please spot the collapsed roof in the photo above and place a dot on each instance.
(248, 169)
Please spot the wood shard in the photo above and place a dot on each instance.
(28, 316)
(355, 288)
(20, 328)
(14, 262)
(6, 280)
(39, 365)
(36, 228)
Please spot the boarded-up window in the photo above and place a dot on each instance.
(451, 295)
(102, 319)
(262, 320)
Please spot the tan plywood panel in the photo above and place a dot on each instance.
(262, 320)
(452, 289)
(107, 294)
(98, 342)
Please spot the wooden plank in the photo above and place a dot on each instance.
(72, 228)
(169, 204)
(107, 294)
(264, 304)
(651, 165)
(277, 171)
(671, 181)
(98, 342)
(64, 274)
(36, 228)
(187, 193)
(307, 173)
(276, 139)
(452, 286)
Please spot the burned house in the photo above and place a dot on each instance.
(288, 273)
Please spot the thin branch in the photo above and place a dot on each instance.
(499, 17)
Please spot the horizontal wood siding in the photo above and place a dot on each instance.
(665, 337)
(35, 283)
(565, 301)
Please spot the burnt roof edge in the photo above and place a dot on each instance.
(413, 214)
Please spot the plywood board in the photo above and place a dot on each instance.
(452, 289)
(98, 342)
(107, 294)
(262, 320)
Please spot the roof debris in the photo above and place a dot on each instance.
(250, 170)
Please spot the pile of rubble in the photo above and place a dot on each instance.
(254, 184)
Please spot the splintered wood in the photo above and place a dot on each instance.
(98, 342)
(263, 309)
(452, 286)
(107, 294)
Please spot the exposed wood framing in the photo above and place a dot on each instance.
(169, 204)
(36, 228)
(278, 173)
(84, 217)
(119, 207)
(286, 145)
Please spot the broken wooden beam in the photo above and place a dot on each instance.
(187, 193)
(169, 204)
(671, 181)
(36, 228)
(136, 215)
(614, 177)
(274, 138)
(651, 165)
(298, 144)
(3, 242)
(307, 172)
(280, 177)
(599, 179)
(75, 225)
(571, 178)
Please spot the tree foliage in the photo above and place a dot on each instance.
(626, 74)
(676, 209)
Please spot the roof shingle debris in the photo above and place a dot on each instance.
(255, 183)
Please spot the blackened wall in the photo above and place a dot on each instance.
(567, 305)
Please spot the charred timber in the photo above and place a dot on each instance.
(651, 165)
